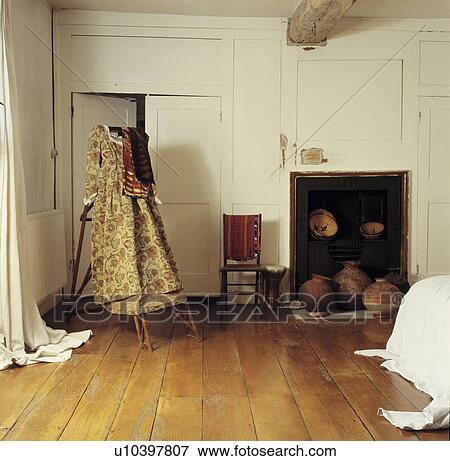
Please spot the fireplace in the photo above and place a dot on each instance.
(353, 199)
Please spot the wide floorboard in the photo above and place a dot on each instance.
(290, 380)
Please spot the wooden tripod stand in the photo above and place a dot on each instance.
(143, 335)
(139, 320)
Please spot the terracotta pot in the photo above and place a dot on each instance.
(382, 296)
(351, 280)
(399, 281)
(317, 293)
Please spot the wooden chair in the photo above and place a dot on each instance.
(241, 244)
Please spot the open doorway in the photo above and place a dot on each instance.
(89, 110)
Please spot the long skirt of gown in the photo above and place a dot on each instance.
(133, 268)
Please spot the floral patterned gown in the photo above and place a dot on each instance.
(133, 268)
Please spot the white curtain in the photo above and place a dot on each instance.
(24, 337)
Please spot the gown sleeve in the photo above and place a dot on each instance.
(92, 165)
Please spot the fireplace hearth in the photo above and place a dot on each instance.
(353, 198)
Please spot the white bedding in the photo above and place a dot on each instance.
(419, 350)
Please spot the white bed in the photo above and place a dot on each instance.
(419, 350)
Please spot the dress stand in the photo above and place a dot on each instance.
(140, 322)
(142, 332)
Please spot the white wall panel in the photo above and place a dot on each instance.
(353, 40)
(434, 187)
(350, 100)
(184, 143)
(31, 27)
(438, 241)
(47, 257)
(192, 221)
(435, 63)
(146, 59)
(439, 163)
(257, 109)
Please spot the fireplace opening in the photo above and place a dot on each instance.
(352, 199)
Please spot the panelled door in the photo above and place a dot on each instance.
(88, 111)
(434, 187)
(185, 141)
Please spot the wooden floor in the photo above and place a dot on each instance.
(253, 381)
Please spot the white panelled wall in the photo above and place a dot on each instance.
(32, 31)
(358, 98)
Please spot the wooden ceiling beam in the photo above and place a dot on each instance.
(313, 20)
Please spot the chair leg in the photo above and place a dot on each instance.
(257, 289)
(224, 287)
(223, 294)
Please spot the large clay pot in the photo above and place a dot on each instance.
(351, 280)
(382, 296)
(317, 293)
(399, 281)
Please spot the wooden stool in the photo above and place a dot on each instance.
(273, 275)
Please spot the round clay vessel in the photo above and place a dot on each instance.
(351, 280)
(399, 281)
(382, 296)
(372, 230)
(317, 293)
(322, 224)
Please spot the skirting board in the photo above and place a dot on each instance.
(48, 303)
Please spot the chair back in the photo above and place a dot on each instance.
(242, 237)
